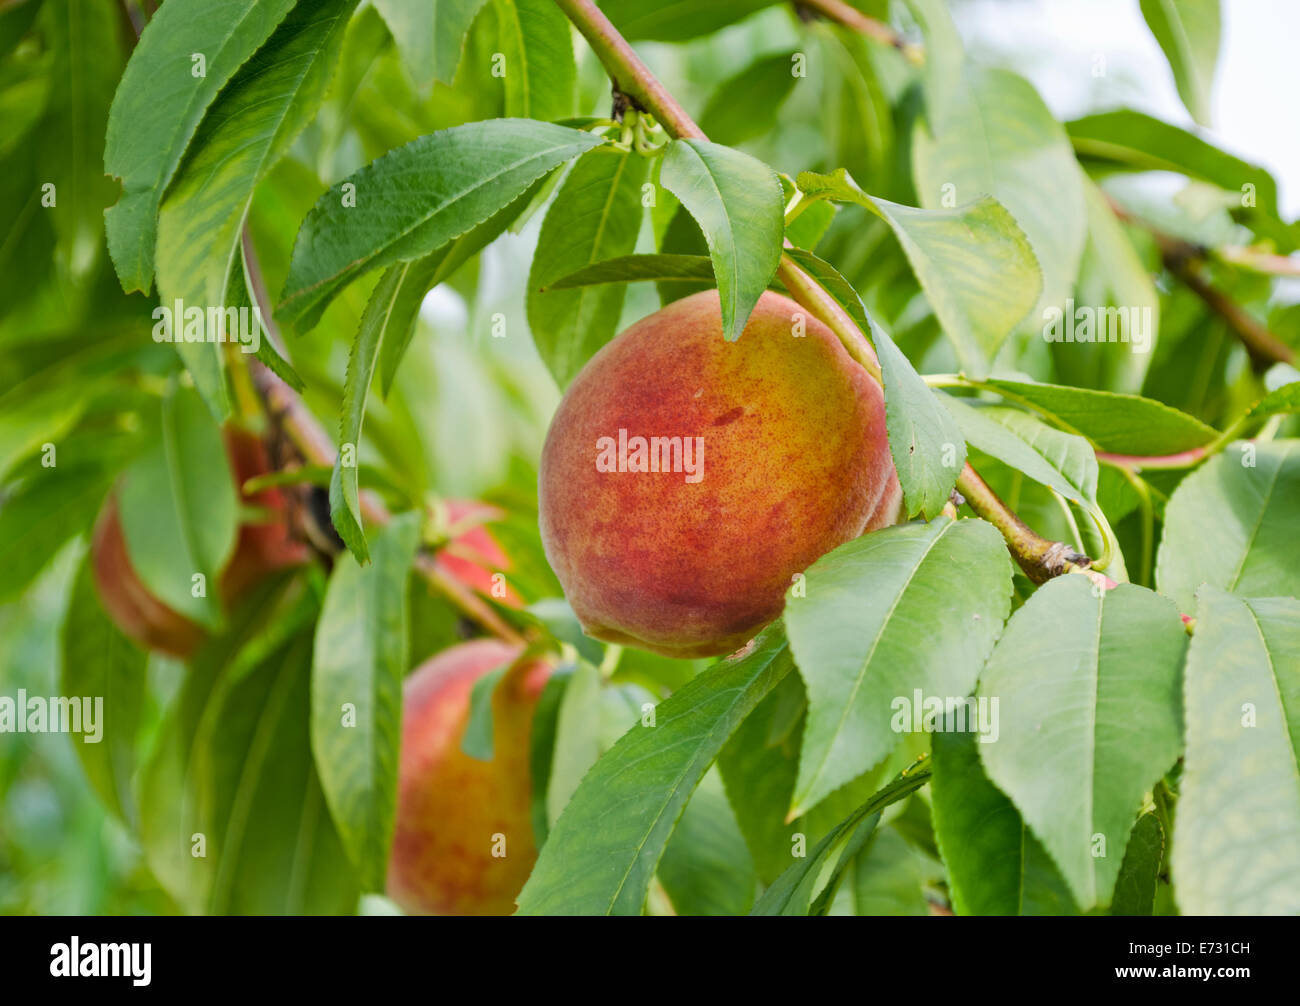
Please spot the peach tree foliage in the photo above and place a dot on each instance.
(331, 162)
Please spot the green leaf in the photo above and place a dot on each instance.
(1236, 848)
(632, 268)
(678, 235)
(924, 440)
(1063, 462)
(596, 216)
(426, 273)
(888, 877)
(760, 766)
(250, 126)
(34, 413)
(417, 198)
(260, 802)
(541, 745)
(16, 20)
(102, 665)
(1088, 685)
(430, 35)
(995, 137)
(706, 869)
(158, 106)
(649, 775)
(391, 299)
(232, 818)
(478, 741)
(359, 661)
(239, 295)
(807, 887)
(836, 285)
(857, 114)
(179, 510)
(810, 226)
(47, 509)
(1143, 143)
(995, 864)
(1188, 32)
(1122, 424)
(927, 447)
(1135, 890)
(677, 21)
(1232, 524)
(1111, 275)
(855, 639)
(577, 738)
(973, 262)
(537, 45)
(85, 40)
(736, 200)
(1284, 399)
(745, 105)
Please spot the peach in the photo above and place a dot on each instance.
(463, 842)
(472, 555)
(261, 548)
(686, 546)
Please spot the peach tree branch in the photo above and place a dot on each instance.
(1040, 558)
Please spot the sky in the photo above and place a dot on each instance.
(1056, 43)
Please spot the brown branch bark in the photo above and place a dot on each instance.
(852, 18)
(1185, 261)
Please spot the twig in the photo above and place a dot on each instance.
(850, 17)
(1263, 346)
(1138, 462)
(632, 77)
(1256, 260)
(1184, 260)
(1039, 557)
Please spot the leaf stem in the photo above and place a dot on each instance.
(1135, 462)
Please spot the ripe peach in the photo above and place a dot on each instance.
(261, 548)
(472, 555)
(686, 547)
(136, 611)
(454, 811)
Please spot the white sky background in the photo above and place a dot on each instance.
(1054, 43)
